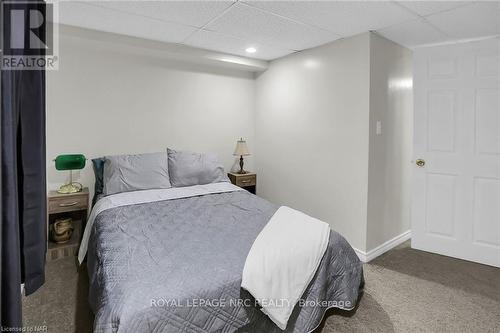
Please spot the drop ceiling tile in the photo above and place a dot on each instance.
(425, 8)
(93, 17)
(476, 20)
(193, 13)
(228, 44)
(345, 18)
(413, 33)
(258, 26)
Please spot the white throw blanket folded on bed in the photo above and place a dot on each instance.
(283, 260)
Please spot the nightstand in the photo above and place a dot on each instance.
(248, 181)
(75, 206)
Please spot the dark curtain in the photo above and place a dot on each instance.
(23, 196)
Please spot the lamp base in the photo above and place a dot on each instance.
(241, 171)
(70, 188)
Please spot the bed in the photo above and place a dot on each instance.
(171, 260)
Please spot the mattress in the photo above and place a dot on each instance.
(176, 266)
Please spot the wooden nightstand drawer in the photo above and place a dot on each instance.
(68, 203)
(246, 180)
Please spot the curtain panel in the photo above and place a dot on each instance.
(23, 196)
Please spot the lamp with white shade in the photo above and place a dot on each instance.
(241, 150)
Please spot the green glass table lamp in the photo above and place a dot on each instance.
(70, 162)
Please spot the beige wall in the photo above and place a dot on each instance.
(390, 151)
(312, 134)
(109, 102)
(317, 148)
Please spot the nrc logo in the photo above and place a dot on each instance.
(27, 28)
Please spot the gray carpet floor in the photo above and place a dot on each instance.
(406, 291)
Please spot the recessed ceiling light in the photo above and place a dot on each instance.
(251, 50)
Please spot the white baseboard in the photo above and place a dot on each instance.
(383, 248)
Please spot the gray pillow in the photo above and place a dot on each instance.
(124, 173)
(187, 168)
(98, 166)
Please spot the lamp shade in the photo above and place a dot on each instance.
(241, 148)
(70, 162)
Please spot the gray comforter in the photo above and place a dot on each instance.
(176, 266)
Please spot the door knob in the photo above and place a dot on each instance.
(420, 162)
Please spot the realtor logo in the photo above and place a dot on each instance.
(28, 37)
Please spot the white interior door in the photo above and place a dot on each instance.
(456, 195)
